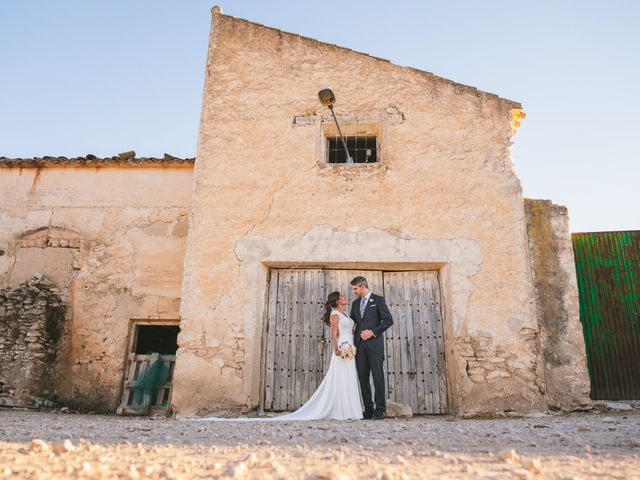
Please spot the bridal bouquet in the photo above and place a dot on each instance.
(347, 350)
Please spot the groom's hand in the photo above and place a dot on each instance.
(366, 334)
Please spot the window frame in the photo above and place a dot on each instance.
(370, 144)
(351, 127)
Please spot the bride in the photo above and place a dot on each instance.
(337, 397)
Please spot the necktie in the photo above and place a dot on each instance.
(363, 304)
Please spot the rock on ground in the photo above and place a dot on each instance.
(398, 410)
(579, 445)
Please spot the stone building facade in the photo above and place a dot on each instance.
(110, 234)
(202, 242)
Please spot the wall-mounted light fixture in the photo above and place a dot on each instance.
(328, 98)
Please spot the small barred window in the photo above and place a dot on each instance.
(362, 148)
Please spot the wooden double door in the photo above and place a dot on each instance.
(297, 346)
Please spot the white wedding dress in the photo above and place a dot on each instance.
(338, 395)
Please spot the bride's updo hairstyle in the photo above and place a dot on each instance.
(331, 303)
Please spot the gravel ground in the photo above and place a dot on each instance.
(579, 445)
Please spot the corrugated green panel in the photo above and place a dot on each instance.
(608, 271)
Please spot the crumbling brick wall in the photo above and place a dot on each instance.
(32, 322)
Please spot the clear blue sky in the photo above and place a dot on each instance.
(89, 76)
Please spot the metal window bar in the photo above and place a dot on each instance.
(363, 149)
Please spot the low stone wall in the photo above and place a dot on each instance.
(558, 311)
(32, 321)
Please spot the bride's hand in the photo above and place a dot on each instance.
(337, 351)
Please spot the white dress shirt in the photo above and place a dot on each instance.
(365, 299)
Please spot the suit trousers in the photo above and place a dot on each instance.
(369, 362)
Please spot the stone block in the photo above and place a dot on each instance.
(398, 410)
(498, 374)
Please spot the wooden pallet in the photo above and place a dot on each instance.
(137, 401)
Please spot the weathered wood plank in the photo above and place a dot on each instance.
(391, 293)
(263, 346)
(430, 385)
(430, 372)
(419, 315)
(289, 347)
(277, 343)
(293, 324)
(313, 328)
(305, 329)
(286, 378)
(410, 294)
(302, 302)
(143, 365)
(433, 351)
(378, 286)
(442, 386)
(138, 383)
(281, 359)
(271, 339)
(416, 339)
(317, 332)
(403, 279)
(402, 333)
(397, 340)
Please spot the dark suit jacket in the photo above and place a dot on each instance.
(376, 318)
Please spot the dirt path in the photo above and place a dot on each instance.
(605, 445)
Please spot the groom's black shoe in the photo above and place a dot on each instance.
(367, 415)
(378, 415)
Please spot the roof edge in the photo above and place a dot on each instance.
(93, 161)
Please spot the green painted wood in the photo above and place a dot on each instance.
(608, 274)
(148, 384)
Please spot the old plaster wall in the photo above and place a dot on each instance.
(112, 241)
(563, 349)
(263, 197)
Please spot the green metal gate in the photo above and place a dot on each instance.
(608, 272)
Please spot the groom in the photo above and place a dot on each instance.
(372, 318)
